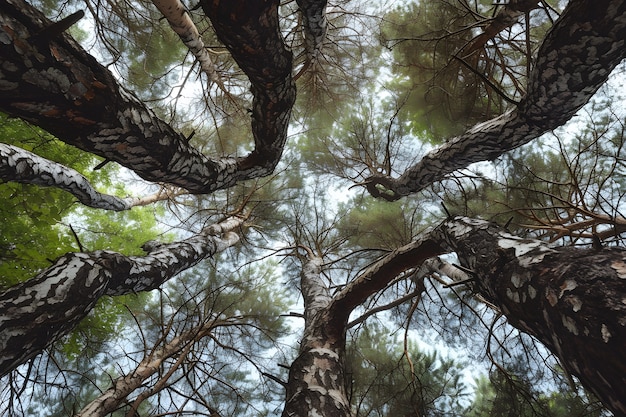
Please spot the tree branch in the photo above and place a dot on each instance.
(54, 82)
(179, 20)
(570, 299)
(575, 59)
(36, 312)
(19, 165)
(379, 274)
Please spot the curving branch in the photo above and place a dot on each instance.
(380, 273)
(35, 313)
(52, 82)
(251, 32)
(19, 165)
(585, 44)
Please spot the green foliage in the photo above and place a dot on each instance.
(35, 229)
(372, 223)
(511, 395)
(441, 96)
(387, 383)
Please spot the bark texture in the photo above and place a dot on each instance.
(317, 380)
(314, 27)
(52, 82)
(177, 16)
(36, 312)
(251, 32)
(585, 44)
(19, 165)
(572, 300)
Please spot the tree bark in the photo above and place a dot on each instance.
(251, 32)
(576, 57)
(53, 83)
(572, 300)
(178, 17)
(35, 313)
(314, 27)
(317, 384)
(19, 165)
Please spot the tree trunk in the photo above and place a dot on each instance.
(576, 57)
(317, 380)
(52, 82)
(35, 313)
(573, 300)
(317, 385)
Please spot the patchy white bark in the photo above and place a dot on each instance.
(576, 57)
(36, 312)
(317, 385)
(53, 83)
(571, 299)
(178, 17)
(19, 165)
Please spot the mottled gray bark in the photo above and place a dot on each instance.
(19, 165)
(53, 83)
(251, 32)
(314, 27)
(574, 60)
(36, 312)
(570, 299)
(573, 300)
(316, 385)
(317, 380)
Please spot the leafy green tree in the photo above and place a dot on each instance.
(307, 134)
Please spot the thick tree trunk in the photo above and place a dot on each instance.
(574, 60)
(317, 379)
(36, 312)
(572, 300)
(317, 385)
(52, 82)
